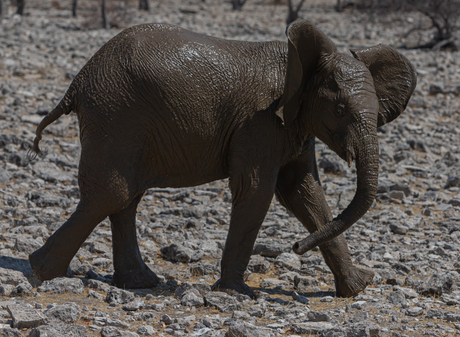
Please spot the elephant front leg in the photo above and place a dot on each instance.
(130, 270)
(299, 190)
(252, 196)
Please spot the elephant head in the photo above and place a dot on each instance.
(342, 100)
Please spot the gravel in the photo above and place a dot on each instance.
(410, 237)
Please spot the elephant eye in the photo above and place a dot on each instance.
(340, 112)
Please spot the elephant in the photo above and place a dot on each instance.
(161, 106)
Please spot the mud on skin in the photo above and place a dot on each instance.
(156, 108)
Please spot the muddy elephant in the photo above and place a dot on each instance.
(161, 106)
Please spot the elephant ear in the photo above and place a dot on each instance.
(394, 79)
(305, 46)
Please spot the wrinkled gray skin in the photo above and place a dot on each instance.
(160, 106)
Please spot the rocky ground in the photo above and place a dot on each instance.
(410, 237)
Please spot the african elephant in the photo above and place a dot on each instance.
(161, 106)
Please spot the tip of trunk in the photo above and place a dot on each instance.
(333, 229)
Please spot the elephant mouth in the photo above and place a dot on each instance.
(347, 155)
(350, 157)
(345, 151)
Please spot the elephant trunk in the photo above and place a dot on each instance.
(367, 164)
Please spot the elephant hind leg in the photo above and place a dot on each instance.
(130, 270)
(53, 258)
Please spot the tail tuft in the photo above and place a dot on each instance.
(32, 155)
(58, 111)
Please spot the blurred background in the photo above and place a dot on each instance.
(415, 23)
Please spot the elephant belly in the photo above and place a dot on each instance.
(184, 163)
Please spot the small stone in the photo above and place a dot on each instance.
(11, 277)
(358, 304)
(326, 299)
(61, 285)
(258, 264)
(288, 260)
(27, 244)
(360, 316)
(166, 319)
(271, 249)
(397, 297)
(96, 295)
(408, 292)
(110, 331)
(304, 283)
(6, 289)
(24, 316)
(192, 298)
(116, 323)
(133, 305)
(452, 317)
(436, 88)
(256, 310)
(222, 301)
(50, 172)
(454, 202)
(5, 176)
(243, 329)
(426, 211)
(316, 316)
(59, 330)
(300, 298)
(451, 299)
(179, 253)
(7, 331)
(212, 321)
(436, 285)
(24, 288)
(117, 296)
(399, 229)
(401, 187)
(65, 313)
(311, 328)
(365, 329)
(272, 283)
(388, 257)
(146, 330)
(398, 195)
(204, 268)
(240, 315)
(417, 311)
(98, 285)
(202, 288)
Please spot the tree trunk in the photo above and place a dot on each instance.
(238, 4)
(293, 13)
(74, 8)
(339, 6)
(21, 5)
(105, 18)
(144, 5)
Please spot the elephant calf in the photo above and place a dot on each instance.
(160, 106)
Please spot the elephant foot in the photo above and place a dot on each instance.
(355, 282)
(232, 288)
(47, 266)
(136, 279)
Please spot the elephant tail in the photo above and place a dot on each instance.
(64, 107)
